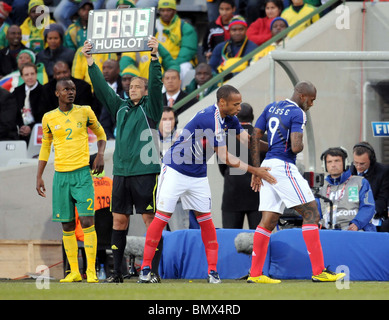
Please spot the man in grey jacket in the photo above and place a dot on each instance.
(352, 199)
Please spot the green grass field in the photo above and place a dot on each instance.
(197, 289)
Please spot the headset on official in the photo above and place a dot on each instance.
(369, 149)
(338, 151)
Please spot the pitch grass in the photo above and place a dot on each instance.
(197, 289)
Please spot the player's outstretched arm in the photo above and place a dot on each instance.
(232, 161)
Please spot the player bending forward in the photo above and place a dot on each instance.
(284, 122)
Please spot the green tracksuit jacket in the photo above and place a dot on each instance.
(135, 151)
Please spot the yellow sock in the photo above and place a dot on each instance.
(71, 248)
(90, 244)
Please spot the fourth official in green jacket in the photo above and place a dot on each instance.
(131, 121)
(136, 157)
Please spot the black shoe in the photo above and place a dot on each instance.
(114, 278)
(155, 278)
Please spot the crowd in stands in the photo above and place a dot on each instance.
(33, 58)
(53, 41)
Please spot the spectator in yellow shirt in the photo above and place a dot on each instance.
(80, 66)
(297, 11)
(34, 26)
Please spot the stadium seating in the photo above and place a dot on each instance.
(13, 149)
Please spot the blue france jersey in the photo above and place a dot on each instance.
(280, 119)
(192, 149)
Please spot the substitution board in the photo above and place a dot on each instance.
(120, 30)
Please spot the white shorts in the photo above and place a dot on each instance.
(290, 190)
(195, 193)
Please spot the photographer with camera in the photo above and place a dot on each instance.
(352, 198)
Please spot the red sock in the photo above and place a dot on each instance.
(153, 235)
(260, 245)
(208, 235)
(315, 252)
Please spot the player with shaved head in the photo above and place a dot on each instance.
(284, 122)
(66, 128)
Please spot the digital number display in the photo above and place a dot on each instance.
(120, 30)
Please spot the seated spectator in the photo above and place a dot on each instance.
(218, 30)
(168, 134)
(252, 9)
(19, 11)
(108, 121)
(80, 66)
(8, 116)
(278, 24)
(5, 10)
(28, 101)
(351, 196)
(61, 70)
(202, 75)
(167, 129)
(231, 51)
(138, 61)
(76, 33)
(111, 73)
(172, 83)
(365, 164)
(8, 54)
(177, 39)
(260, 30)
(297, 11)
(67, 9)
(12, 80)
(54, 51)
(32, 33)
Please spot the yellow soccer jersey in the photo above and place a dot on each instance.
(69, 133)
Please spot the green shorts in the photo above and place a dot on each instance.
(73, 189)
